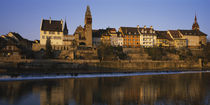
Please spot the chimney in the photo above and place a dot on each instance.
(50, 20)
(151, 27)
(61, 21)
(145, 26)
(138, 26)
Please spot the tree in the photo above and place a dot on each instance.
(108, 52)
(48, 53)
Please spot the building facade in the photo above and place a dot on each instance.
(53, 30)
(83, 36)
(131, 36)
(147, 36)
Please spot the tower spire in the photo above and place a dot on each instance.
(195, 25)
(195, 18)
(88, 16)
(65, 30)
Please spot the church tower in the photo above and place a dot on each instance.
(65, 30)
(88, 27)
(195, 25)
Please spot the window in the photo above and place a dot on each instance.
(150, 31)
(133, 39)
(45, 32)
(58, 33)
(43, 37)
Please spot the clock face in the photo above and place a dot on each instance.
(89, 20)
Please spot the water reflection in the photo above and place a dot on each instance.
(176, 89)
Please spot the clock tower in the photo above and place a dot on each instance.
(88, 27)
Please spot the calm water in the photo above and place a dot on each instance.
(167, 89)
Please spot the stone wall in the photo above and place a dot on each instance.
(90, 66)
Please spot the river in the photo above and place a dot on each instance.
(191, 88)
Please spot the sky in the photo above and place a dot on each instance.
(24, 16)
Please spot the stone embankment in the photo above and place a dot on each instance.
(95, 66)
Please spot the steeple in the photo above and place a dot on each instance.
(88, 16)
(195, 25)
(65, 30)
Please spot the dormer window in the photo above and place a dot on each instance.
(150, 31)
(142, 31)
(145, 32)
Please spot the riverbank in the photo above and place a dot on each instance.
(20, 77)
(95, 66)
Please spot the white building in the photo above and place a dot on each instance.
(54, 30)
(119, 39)
(147, 36)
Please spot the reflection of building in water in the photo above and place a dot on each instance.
(138, 90)
(58, 94)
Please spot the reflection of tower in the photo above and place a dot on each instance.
(88, 27)
(195, 25)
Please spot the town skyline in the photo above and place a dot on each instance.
(103, 16)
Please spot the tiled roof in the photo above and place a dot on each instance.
(192, 32)
(130, 30)
(163, 35)
(136, 30)
(148, 30)
(98, 33)
(55, 25)
(18, 36)
(175, 34)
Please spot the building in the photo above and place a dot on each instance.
(131, 36)
(147, 36)
(178, 40)
(97, 37)
(113, 36)
(195, 38)
(83, 36)
(52, 29)
(119, 39)
(163, 39)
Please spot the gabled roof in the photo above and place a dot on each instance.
(163, 35)
(98, 33)
(147, 30)
(78, 29)
(136, 30)
(54, 25)
(16, 35)
(111, 30)
(192, 32)
(130, 30)
(175, 34)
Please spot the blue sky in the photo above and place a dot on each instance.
(24, 16)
